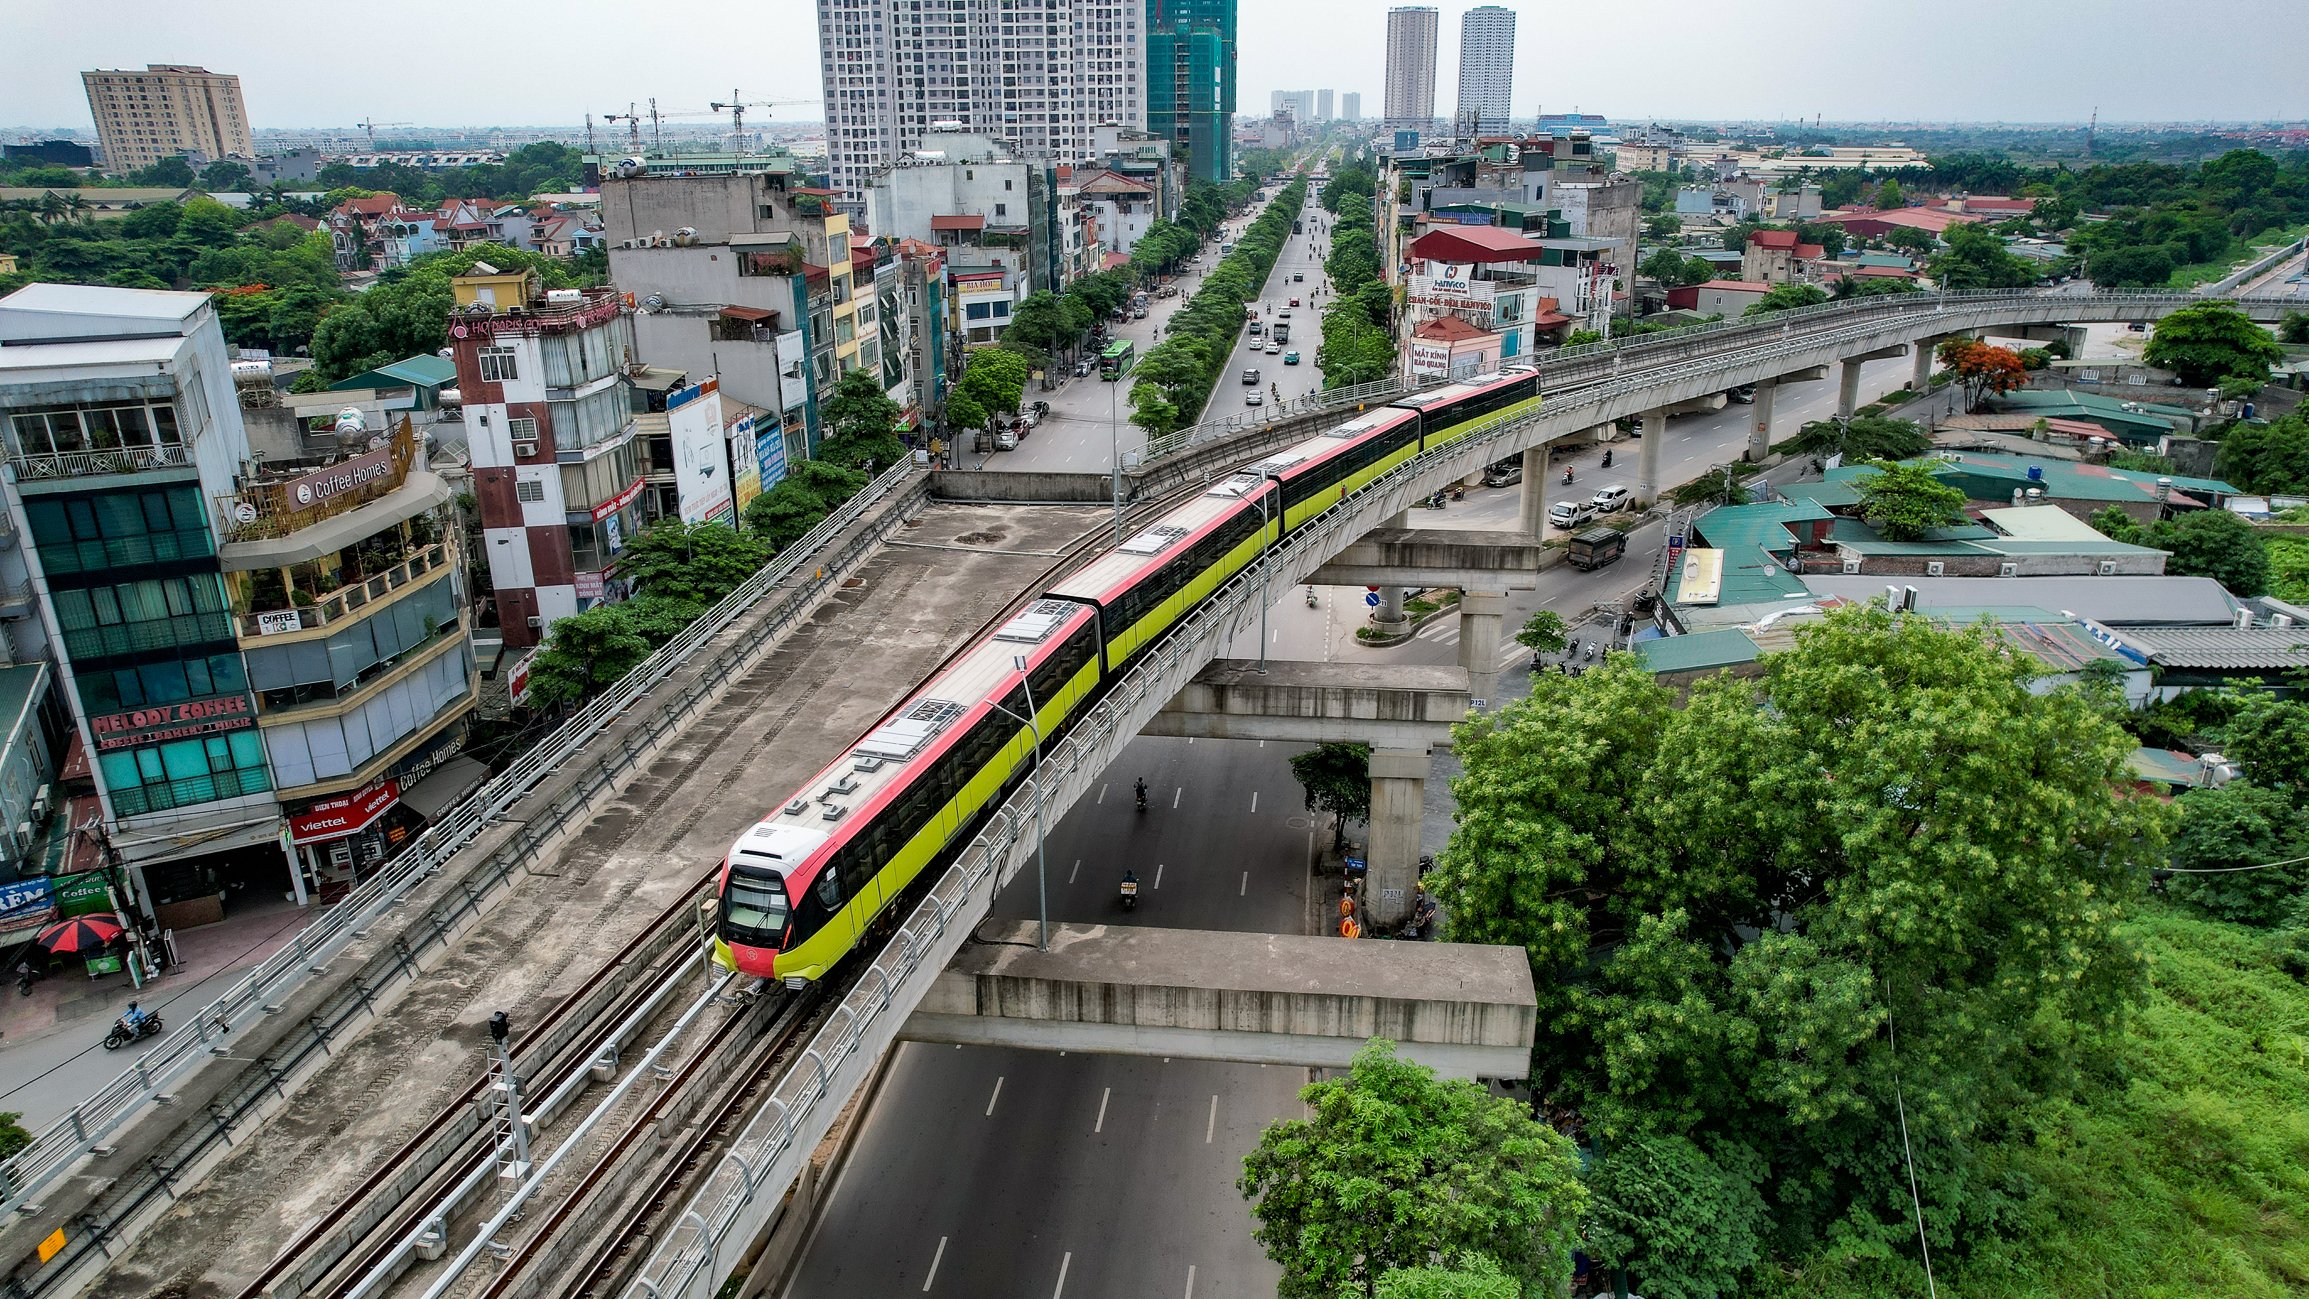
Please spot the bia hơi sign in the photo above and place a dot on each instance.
(172, 722)
(323, 485)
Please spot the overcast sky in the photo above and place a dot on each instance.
(432, 63)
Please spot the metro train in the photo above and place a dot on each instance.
(800, 887)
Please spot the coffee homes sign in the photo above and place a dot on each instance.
(165, 722)
(324, 485)
(334, 818)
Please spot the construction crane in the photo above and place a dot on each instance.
(736, 108)
(371, 128)
(632, 120)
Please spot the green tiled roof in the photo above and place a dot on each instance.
(421, 371)
(1831, 492)
(1749, 535)
(1697, 652)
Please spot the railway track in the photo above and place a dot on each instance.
(361, 1230)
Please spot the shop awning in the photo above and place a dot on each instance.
(756, 314)
(451, 781)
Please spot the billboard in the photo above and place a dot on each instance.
(745, 465)
(770, 453)
(1452, 295)
(700, 465)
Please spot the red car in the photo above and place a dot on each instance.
(1294, 302)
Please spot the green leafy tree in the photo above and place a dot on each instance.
(1543, 633)
(1395, 1168)
(1680, 1224)
(1906, 239)
(1905, 501)
(1474, 1276)
(1889, 195)
(584, 654)
(13, 1136)
(1863, 437)
(1787, 297)
(408, 313)
(697, 562)
(861, 424)
(2272, 457)
(2294, 328)
(1337, 780)
(2208, 341)
(809, 492)
(2202, 543)
(1722, 485)
(2224, 834)
(1672, 269)
(227, 177)
(1730, 904)
(1582, 337)
(1975, 259)
(993, 381)
(2269, 738)
(168, 173)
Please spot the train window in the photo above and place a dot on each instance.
(829, 887)
(755, 904)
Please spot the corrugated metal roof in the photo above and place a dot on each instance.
(1697, 652)
(2236, 649)
(2111, 601)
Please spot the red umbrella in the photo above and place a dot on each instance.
(79, 936)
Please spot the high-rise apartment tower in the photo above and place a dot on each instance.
(892, 68)
(1486, 69)
(1190, 81)
(1411, 68)
(168, 110)
(1351, 106)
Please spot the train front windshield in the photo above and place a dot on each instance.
(754, 907)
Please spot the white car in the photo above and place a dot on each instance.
(1609, 500)
(1274, 349)
(1569, 514)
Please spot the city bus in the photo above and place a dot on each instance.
(1116, 360)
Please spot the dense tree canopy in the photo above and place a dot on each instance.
(1975, 259)
(861, 424)
(1906, 500)
(1864, 437)
(1729, 906)
(2272, 457)
(2203, 543)
(2207, 342)
(1395, 1168)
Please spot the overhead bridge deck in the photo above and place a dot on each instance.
(1284, 999)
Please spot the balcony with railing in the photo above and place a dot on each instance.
(591, 308)
(318, 597)
(34, 467)
(286, 496)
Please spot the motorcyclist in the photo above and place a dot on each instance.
(133, 1019)
(1607, 458)
(1567, 477)
(1141, 787)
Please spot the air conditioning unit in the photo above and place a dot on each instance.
(1851, 566)
(1935, 568)
(525, 448)
(2008, 570)
(535, 622)
(2108, 568)
(40, 804)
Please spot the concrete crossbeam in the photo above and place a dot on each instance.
(1702, 405)
(1450, 557)
(1387, 705)
(1469, 1011)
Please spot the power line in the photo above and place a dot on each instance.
(1908, 1155)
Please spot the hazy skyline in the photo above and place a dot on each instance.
(1889, 60)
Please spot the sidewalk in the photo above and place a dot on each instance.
(51, 1042)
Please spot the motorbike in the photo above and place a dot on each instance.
(1567, 478)
(1129, 893)
(1310, 597)
(1607, 459)
(1459, 493)
(26, 976)
(1142, 798)
(1589, 652)
(121, 1034)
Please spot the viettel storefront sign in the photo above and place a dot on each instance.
(172, 722)
(323, 485)
(334, 818)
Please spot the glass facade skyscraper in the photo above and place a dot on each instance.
(1190, 73)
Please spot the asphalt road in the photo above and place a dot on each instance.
(1000, 1173)
(1089, 419)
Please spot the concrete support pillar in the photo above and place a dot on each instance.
(1390, 613)
(1531, 512)
(1648, 456)
(1398, 809)
(1481, 617)
(1760, 427)
(1401, 520)
(1920, 358)
(1847, 389)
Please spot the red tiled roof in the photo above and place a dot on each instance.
(1773, 238)
(1809, 252)
(1550, 319)
(1115, 261)
(1473, 244)
(966, 221)
(374, 205)
(1880, 273)
(1449, 329)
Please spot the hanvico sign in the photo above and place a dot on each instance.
(1473, 299)
(323, 485)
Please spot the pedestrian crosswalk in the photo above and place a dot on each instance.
(1446, 632)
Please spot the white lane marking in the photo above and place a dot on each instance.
(1063, 1265)
(1158, 875)
(1190, 1281)
(1076, 871)
(995, 1097)
(934, 1258)
(1254, 800)
(1211, 1124)
(1101, 794)
(1103, 1096)
(1182, 793)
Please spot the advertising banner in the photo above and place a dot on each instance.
(770, 453)
(346, 814)
(700, 464)
(746, 466)
(172, 722)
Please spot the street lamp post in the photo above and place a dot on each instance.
(1114, 446)
(1041, 864)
